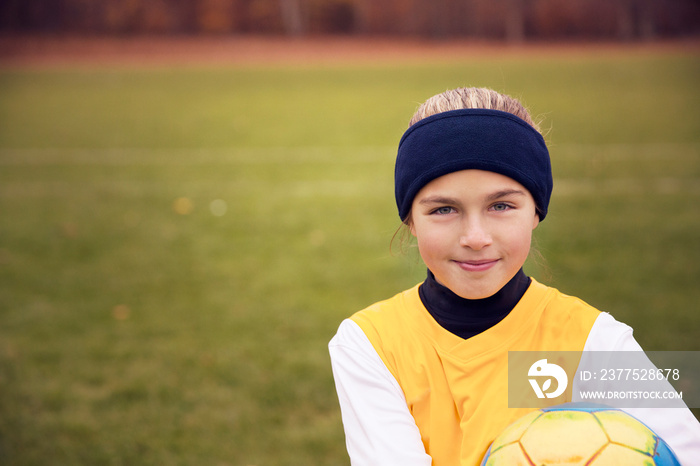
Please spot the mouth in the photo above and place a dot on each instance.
(476, 265)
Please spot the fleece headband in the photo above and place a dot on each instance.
(465, 139)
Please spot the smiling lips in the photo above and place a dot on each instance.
(476, 265)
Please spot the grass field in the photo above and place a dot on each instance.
(178, 244)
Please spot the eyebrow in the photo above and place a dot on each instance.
(505, 193)
(491, 197)
(438, 200)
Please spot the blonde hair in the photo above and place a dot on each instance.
(472, 97)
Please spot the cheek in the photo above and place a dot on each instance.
(520, 240)
(430, 241)
(425, 243)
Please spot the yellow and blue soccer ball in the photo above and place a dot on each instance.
(579, 434)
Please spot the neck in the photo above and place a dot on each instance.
(468, 317)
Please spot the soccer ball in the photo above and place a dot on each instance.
(579, 434)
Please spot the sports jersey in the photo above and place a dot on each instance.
(413, 393)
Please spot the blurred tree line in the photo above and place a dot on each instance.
(514, 20)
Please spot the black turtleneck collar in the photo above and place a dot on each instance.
(468, 317)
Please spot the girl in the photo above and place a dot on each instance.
(422, 377)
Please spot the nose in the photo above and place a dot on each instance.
(474, 235)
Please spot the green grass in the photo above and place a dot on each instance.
(133, 334)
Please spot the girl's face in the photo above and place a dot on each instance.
(474, 230)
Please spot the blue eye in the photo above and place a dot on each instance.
(443, 210)
(500, 207)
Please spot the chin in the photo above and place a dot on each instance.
(477, 290)
(473, 287)
(475, 294)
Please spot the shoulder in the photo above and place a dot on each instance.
(349, 336)
(367, 331)
(563, 302)
(608, 334)
(390, 315)
(560, 310)
(350, 350)
(605, 332)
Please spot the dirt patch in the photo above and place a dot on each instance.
(71, 51)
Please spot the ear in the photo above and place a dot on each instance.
(535, 221)
(409, 223)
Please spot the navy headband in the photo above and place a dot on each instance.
(465, 139)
